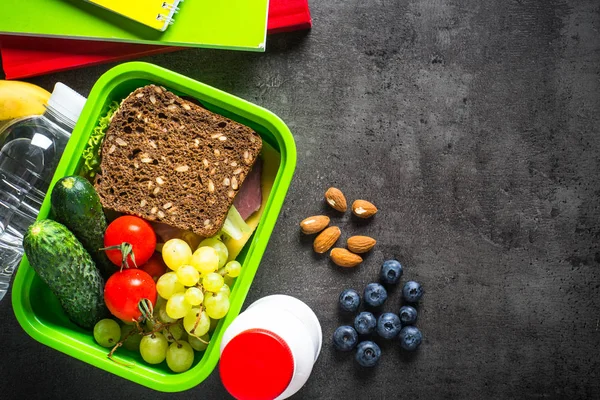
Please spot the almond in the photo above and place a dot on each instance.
(344, 258)
(326, 239)
(314, 224)
(335, 198)
(363, 209)
(360, 244)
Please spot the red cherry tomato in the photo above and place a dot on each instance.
(125, 289)
(155, 266)
(135, 231)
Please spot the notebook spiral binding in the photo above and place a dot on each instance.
(168, 17)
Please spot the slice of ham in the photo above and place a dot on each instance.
(249, 198)
(166, 232)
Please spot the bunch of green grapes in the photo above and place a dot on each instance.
(157, 341)
(193, 297)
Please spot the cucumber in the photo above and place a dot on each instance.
(76, 205)
(69, 271)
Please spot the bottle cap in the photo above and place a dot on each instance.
(256, 364)
(66, 102)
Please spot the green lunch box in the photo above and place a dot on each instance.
(38, 310)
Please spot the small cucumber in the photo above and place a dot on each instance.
(76, 204)
(67, 268)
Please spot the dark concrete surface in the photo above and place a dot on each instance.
(473, 125)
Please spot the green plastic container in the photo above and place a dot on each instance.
(39, 312)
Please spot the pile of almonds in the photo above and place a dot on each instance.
(328, 236)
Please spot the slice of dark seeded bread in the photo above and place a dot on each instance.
(169, 160)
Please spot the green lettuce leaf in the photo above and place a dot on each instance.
(92, 153)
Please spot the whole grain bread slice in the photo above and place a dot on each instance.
(167, 159)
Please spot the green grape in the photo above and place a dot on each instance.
(194, 296)
(212, 282)
(175, 253)
(198, 344)
(153, 348)
(219, 246)
(223, 254)
(150, 324)
(213, 325)
(180, 356)
(229, 281)
(233, 268)
(196, 329)
(131, 342)
(159, 302)
(184, 334)
(163, 316)
(225, 290)
(168, 284)
(205, 260)
(177, 307)
(187, 275)
(217, 305)
(209, 241)
(173, 332)
(107, 332)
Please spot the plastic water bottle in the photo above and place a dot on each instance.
(30, 149)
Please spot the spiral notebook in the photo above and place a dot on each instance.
(27, 56)
(221, 24)
(157, 14)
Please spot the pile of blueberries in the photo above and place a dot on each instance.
(388, 325)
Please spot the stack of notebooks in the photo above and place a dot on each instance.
(43, 36)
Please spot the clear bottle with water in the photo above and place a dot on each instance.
(30, 149)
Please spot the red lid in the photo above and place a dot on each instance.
(256, 365)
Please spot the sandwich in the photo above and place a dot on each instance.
(171, 161)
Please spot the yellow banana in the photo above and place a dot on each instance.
(19, 99)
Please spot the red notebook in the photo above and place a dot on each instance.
(24, 56)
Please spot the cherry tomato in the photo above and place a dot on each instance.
(155, 266)
(137, 233)
(125, 289)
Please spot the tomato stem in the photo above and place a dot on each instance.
(146, 308)
(126, 250)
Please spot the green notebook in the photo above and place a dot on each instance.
(231, 24)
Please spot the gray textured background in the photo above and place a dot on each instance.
(473, 125)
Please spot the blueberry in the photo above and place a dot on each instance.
(388, 325)
(365, 323)
(410, 338)
(412, 291)
(391, 271)
(349, 300)
(408, 315)
(375, 294)
(345, 338)
(367, 353)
